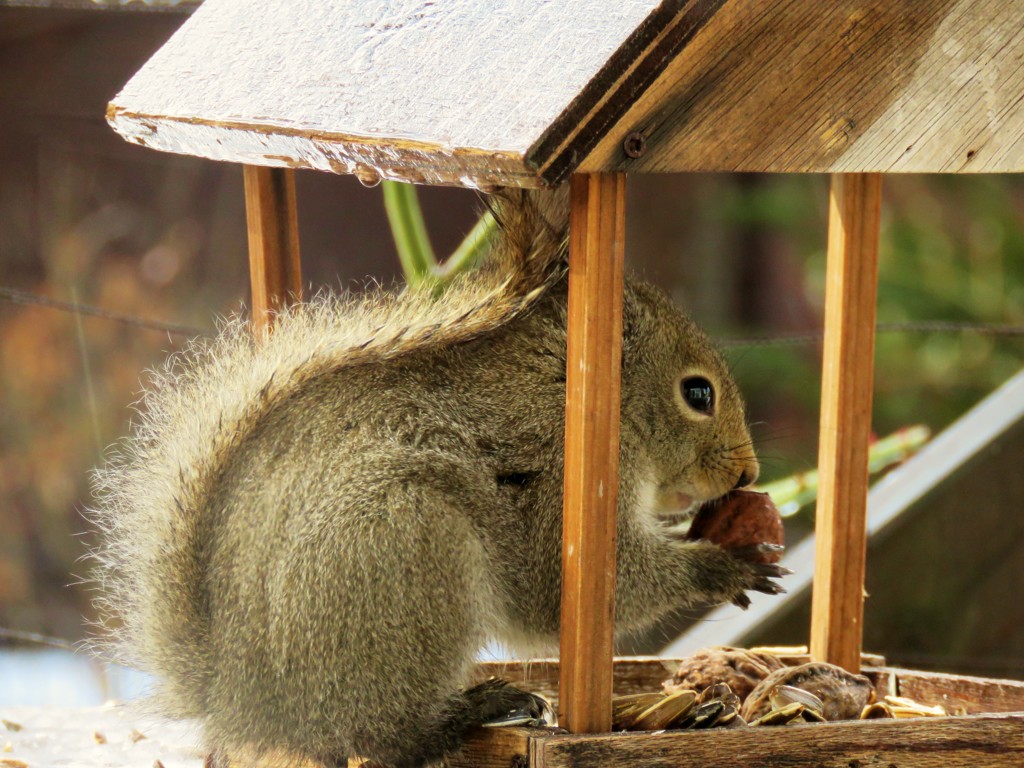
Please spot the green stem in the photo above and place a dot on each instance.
(413, 243)
(409, 231)
(472, 247)
(792, 493)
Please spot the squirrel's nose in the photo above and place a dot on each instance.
(747, 477)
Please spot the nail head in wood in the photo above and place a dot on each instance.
(634, 145)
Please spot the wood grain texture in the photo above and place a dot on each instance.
(594, 357)
(643, 57)
(531, 92)
(431, 92)
(272, 222)
(367, 157)
(972, 695)
(497, 748)
(851, 85)
(979, 741)
(837, 602)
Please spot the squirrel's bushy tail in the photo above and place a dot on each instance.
(153, 494)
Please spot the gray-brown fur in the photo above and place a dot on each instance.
(308, 537)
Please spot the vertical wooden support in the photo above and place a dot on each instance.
(596, 243)
(272, 220)
(837, 606)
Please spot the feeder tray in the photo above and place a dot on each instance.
(538, 93)
(987, 731)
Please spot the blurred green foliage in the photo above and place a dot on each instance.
(952, 249)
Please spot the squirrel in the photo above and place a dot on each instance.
(307, 537)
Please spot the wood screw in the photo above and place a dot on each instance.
(634, 145)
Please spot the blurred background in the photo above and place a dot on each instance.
(151, 248)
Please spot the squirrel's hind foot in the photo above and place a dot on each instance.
(494, 702)
(501, 704)
(491, 703)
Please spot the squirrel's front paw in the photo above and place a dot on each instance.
(757, 575)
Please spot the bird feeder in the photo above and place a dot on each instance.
(535, 94)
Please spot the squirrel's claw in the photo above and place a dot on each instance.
(741, 600)
(760, 573)
(534, 711)
(500, 704)
(768, 587)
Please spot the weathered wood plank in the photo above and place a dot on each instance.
(613, 90)
(837, 601)
(846, 86)
(497, 748)
(594, 357)
(972, 695)
(272, 221)
(522, 96)
(367, 157)
(980, 741)
(431, 92)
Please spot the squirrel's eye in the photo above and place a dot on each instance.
(698, 393)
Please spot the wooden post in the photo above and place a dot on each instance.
(596, 240)
(837, 606)
(274, 266)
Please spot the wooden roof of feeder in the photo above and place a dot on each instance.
(527, 92)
